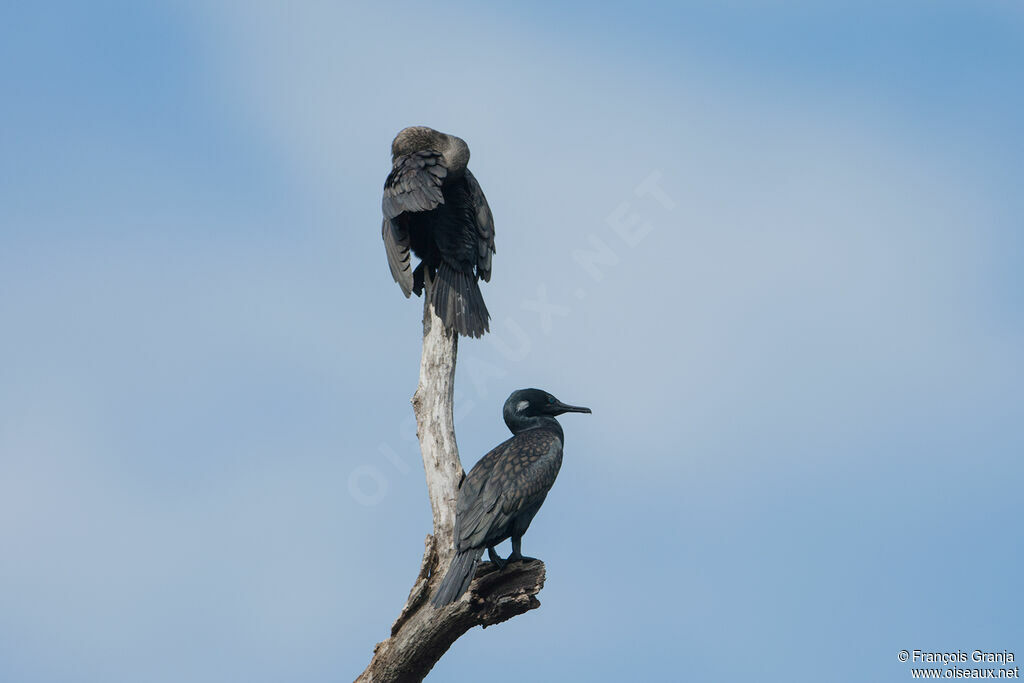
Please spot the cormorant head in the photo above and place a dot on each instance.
(527, 403)
(417, 138)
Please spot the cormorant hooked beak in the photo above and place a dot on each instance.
(557, 408)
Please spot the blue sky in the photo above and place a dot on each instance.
(803, 351)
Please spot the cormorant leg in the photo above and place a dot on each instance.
(493, 557)
(517, 544)
(417, 279)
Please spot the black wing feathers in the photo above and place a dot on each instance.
(414, 184)
(512, 478)
(484, 228)
(396, 244)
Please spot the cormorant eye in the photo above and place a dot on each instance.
(551, 399)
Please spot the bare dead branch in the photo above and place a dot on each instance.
(422, 634)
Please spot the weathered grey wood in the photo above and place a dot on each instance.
(421, 634)
(433, 403)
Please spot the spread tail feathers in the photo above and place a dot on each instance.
(458, 302)
(458, 577)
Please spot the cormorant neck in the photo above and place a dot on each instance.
(521, 423)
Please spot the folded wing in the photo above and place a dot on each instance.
(513, 478)
(484, 227)
(414, 184)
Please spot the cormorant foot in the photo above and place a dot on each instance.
(519, 557)
(493, 557)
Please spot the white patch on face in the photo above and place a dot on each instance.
(521, 406)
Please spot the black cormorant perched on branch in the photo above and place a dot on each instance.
(502, 493)
(433, 205)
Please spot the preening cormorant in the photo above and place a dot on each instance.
(502, 493)
(433, 205)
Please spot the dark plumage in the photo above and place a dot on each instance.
(504, 490)
(433, 205)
